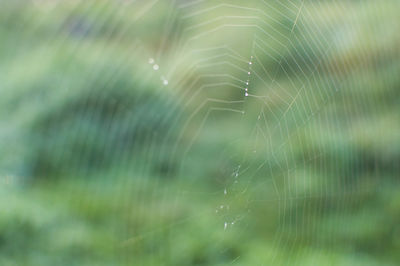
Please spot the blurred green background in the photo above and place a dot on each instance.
(179, 132)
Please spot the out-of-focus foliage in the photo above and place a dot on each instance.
(107, 160)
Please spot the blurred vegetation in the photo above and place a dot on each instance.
(109, 158)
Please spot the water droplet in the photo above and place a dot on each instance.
(248, 73)
(225, 191)
(246, 94)
(156, 67)
(250, 63)
(221, 207)
(246, 89)
(247, 83)
(151, 61)
(165, 82)
(225, 225)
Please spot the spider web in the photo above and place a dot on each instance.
(239, 106)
